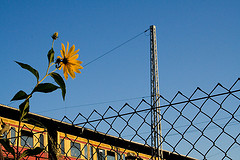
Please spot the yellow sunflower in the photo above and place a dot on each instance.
(68, 62)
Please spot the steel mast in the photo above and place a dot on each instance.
(156, 132)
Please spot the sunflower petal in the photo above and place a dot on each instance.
(73, 57)
(58, 57)
(77, 71)
(71, 51)
(67, 49)
(60, 68)
(75, 52)
(65, 72)
(80, 67)
(75, 62)
(71, 72)
(63, 50)
(77, 67)
(62, 53)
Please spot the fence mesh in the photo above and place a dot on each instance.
(204, 125)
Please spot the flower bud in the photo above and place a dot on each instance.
(55, 36)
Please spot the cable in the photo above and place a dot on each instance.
(115, 48)
(94, 61)
(83, 105)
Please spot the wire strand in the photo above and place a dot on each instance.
(120, 45)
(91, 104)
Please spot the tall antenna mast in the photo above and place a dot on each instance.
(156, 132)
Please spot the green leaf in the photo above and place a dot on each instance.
(24, 109)
(59, 80)
(29, 68)
(45, 87)
(50, 55)
(31, 152)
(6, 145)
(19, 96)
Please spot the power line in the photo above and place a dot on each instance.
(118, 46)
(115, 48)
(90, 104)
(190, 131)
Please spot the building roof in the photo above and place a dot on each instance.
(56, 125)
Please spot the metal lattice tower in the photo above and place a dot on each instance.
(156, 133)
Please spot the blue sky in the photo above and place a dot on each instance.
(198, 46)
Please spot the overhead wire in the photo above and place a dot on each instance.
(190, 131)
(118, 46)
(106, 53)
(91, 104)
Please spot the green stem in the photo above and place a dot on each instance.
(53, 71)
(18, 136)
(52, 43)
(29, 96)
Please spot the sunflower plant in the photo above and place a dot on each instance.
(69, 64)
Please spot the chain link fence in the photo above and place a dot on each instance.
(204, 125)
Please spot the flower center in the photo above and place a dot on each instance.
(65, 60)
